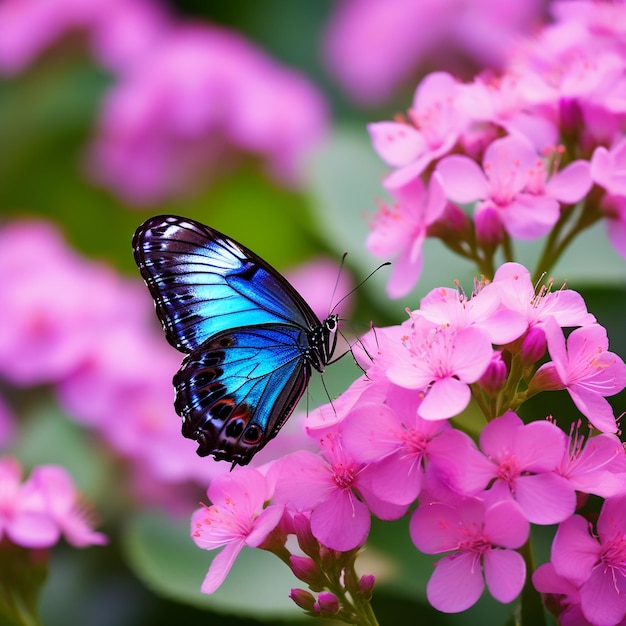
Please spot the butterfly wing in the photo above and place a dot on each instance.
(204, 283)
(238, 388)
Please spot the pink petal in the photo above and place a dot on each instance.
(571, 184)
(406, 269)
(33, 530)
(540, 446)
(341, 522)
(545, 498)
(530, 216)
(595, 408)
(574, 551)
(508, 161)
(370, 432)
(505, 526)
(397, 479)
(556, 347)
(396, 144)
(264, 524)
(472, 354)
(616, 232)
(446, 398)
(601, 602)
(612, 518)
(458, 464)
(462, 179)
(304, 480)
(456, 584)
(220, 566)
(500, 434)
(505, 573)
(434, 528)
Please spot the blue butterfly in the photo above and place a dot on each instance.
(251, 340)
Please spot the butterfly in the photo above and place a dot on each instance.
(251, 340)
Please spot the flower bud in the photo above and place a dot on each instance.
(306, 570)
(489, 231)
(326, 603)
(495, 375)
(366, 585)
(533, 346)
(303, 599)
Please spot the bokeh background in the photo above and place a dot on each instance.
(250, 117)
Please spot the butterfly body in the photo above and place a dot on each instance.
(251, 339)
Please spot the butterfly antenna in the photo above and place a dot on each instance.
(360, 284)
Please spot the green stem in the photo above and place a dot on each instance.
(532, 613)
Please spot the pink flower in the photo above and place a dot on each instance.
(513, 183)
(326, 487)
(119, 31)
(586, 368)
(518, 293)
(51, 488)
(519, 463)
(186, 109)
(596, 564)
(443, 362)
(483, 539)
(595, 465)
(447, 307)
(560, 595)
(393, 442)
(34, 514)
(437, 124)
(55, 304)
(236, 518)
(400, 230)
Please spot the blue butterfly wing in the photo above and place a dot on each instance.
(204, 283)
(236, 391)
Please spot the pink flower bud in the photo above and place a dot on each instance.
(326, 603)
(366, 585)
(303, 599)
(495, 375)
(533, 346)
(306, 570)
(489, 231)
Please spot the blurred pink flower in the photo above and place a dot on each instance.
(608, 167)
(372, 46)
(482, 539)
(118, 31)
(54, 304)
(316, 280)
(35, 514)
(237, 517)
(205, 93)
(614, 207)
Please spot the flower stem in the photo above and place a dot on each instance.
(532, 613)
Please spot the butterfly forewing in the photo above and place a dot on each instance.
(251, 339)
(204, 283)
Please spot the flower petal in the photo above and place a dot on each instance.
(505, 572)
(456, 583)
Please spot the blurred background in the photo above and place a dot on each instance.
(249, 117)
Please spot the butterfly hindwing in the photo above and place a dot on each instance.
(236, 390)
(204, 283)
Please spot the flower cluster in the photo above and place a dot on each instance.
(534, 150)
(388, 442)
(35, 513)
(184, 96)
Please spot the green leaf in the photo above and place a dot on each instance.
(162, 554)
